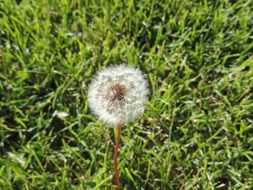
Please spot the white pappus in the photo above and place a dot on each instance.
(117, 95)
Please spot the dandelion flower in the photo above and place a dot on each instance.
(117, 95)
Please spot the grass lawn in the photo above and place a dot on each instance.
(197, 130)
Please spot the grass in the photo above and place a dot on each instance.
(197, 131)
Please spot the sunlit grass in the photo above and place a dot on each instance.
(197, 131)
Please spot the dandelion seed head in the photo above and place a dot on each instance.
(117, 95)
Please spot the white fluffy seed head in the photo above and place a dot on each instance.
(117, 95)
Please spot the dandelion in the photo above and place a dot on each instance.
(117, 96)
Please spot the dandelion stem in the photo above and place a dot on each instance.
(115, 158)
